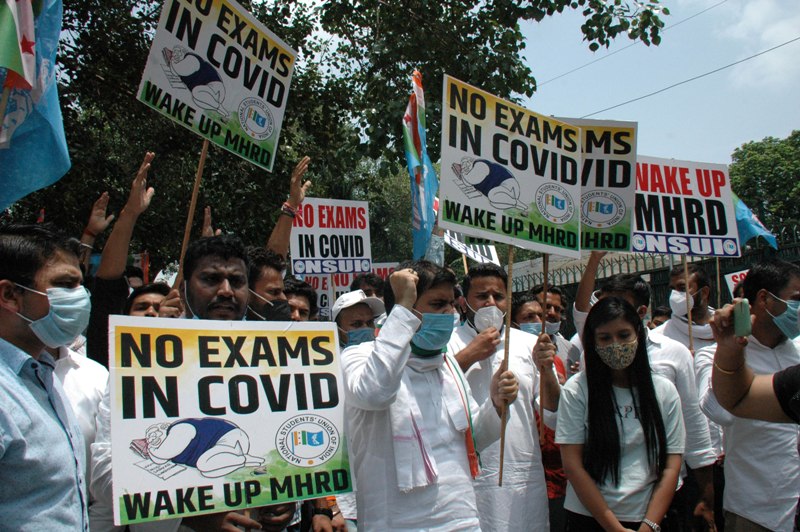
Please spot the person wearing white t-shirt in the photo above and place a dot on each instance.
(762, 467)
(672, 360)
(620, 428)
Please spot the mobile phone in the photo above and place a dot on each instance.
(741, 318)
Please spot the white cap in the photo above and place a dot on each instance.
(354, 298)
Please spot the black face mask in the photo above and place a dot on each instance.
(277, 310)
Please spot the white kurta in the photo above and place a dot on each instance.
(521, 503)
(762, 468)
(374, 374)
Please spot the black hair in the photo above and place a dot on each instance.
(693, 269)
(223, 246)
(518, 300)
(628, 283)
(151, 288)
(26, 249)
(260, 258)
(369, 279)
(601, 453)
(484, 269)
(771, 275)
(551, 289)
(429, 275)
(294, 286)
(662, 311)
(738, 290)
(134, 271)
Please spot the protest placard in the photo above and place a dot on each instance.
(331, 236)
(684, 208)
(608, 184)
(212, 416)
(330, 287)
(508, 174)
(478, 249)
(732, 279)
(216, 70)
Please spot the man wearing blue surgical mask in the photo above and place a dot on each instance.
(521, 502)
(354, 314)
(42, 455)
(414, 426)
(762, 468)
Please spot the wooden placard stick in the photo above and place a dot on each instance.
(545, 272)
(192, 205)
(688, 308)
(719, 286)
(464, 259)
(504, 362)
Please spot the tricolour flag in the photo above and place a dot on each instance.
(424, 183)
(749, 225)
(33, 149)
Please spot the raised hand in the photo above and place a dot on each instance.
(140, 196)
(297, 189)
(98, 221)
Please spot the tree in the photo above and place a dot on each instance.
(345, 106)
(766, 175)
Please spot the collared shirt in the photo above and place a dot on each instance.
(84, 382)
(42, 460)
(375, 373)
(521, 502)
(762, 467)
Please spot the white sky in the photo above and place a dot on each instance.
(703, 120)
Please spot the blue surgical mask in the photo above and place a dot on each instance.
(359, 336)
(787, 321)
(68, 316)
(433, 334)
(552, 327)
(531, 328)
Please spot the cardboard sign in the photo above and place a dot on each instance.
(733, 279)
(216, 70)
(212, 416)
(331, 236)
(684, 208)
(508, 174)
(608, 183)
(477, 249)
(330, 287)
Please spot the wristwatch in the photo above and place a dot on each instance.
(654, 526)
(329, 514)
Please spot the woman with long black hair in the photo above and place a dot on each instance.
(620, 428)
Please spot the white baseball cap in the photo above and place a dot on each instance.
(354, 298)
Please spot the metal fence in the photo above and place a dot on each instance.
(657, 268)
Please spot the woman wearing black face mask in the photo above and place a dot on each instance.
(620, 428)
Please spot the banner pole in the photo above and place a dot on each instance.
(545, 271)
(719, 286)
(464, 259)
(192, 205)
(504, 363)
(688, 309)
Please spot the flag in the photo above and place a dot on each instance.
(33, 149)
(749, 225)
(424, 183)
(304, 437)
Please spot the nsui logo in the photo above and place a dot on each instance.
(255, 118)
(307, 440)
(602, 209)
(554, 203)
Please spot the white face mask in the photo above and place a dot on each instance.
(677, 302)
(486, 317)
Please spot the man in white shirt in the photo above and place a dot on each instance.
(479, 349)
(673, 361)
(411, 412)
(762, 467)
(554, 307)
